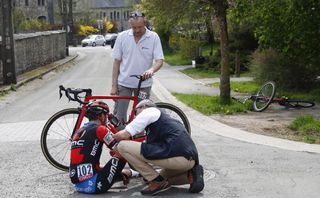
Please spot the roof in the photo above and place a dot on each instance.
(112, 3)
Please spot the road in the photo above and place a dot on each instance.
(232, 168)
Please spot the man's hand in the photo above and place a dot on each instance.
(148, 74)
(114, 90)
(122, 135)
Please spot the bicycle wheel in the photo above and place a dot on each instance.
(175, 113)
(56, 137)
(291, 103)
(264, 96)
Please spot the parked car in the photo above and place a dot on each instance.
(93, 40)
(113, 41)
(110, 37)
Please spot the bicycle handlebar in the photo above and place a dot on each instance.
(75, 93)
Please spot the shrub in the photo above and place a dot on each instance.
(189, 48)
(287, 73)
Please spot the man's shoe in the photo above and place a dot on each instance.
(155, 187)
(196, 177)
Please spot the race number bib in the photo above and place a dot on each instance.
(85, 171)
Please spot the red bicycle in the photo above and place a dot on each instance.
(57, 133)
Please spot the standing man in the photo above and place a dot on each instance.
(137, 51)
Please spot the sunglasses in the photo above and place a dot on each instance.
(136, 14)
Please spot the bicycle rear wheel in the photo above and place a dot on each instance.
(264, 96)
(56, 137)
(175, 113)
(291, 103)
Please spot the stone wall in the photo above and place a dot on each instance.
(34, 50)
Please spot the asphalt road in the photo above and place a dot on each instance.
(232, 168)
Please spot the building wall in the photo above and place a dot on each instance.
(33, 9)
(34, 50)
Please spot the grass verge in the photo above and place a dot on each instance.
(197, 73)
(307, 127)
(209, 105)
(176, 59)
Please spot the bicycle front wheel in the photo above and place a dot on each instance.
(176, 113)
(56, 137)
(264, 96)
(291, 103)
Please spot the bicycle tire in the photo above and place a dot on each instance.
(175, 113)
(292, 103)
(264, 96)
(56, 137)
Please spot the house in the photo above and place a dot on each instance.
(116, 11)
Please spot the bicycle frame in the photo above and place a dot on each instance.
(89, 98)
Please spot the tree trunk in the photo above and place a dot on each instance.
(220, 8)
(237, 64)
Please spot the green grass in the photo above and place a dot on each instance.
(241, 87)
(5, 92)
(307, 127)
(197, 73)
(176, 59)
(209, 105)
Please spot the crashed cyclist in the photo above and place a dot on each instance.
(85, 171)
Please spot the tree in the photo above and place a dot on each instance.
(291, 29)
(188, 17)
(220, 7)
(165, 18)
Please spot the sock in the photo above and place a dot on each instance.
(134, 173)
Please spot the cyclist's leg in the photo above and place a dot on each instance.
(121, 106)
(110, 173)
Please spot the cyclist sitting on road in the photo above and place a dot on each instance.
(85, 171)
(167, 145)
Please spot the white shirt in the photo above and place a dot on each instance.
(142, 120)
(136, 58)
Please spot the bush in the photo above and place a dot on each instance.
(189, 48)
(287, 73)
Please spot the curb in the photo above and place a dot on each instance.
(54, 66)
(213, 126)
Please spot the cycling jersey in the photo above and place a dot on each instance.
(85, 171)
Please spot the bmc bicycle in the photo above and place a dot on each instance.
(266, 95)
(57, 133)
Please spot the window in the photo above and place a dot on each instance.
(118, 15)
(115, 15)
(111, 16)
(41, 2)
(104, 15)
(26, 2)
